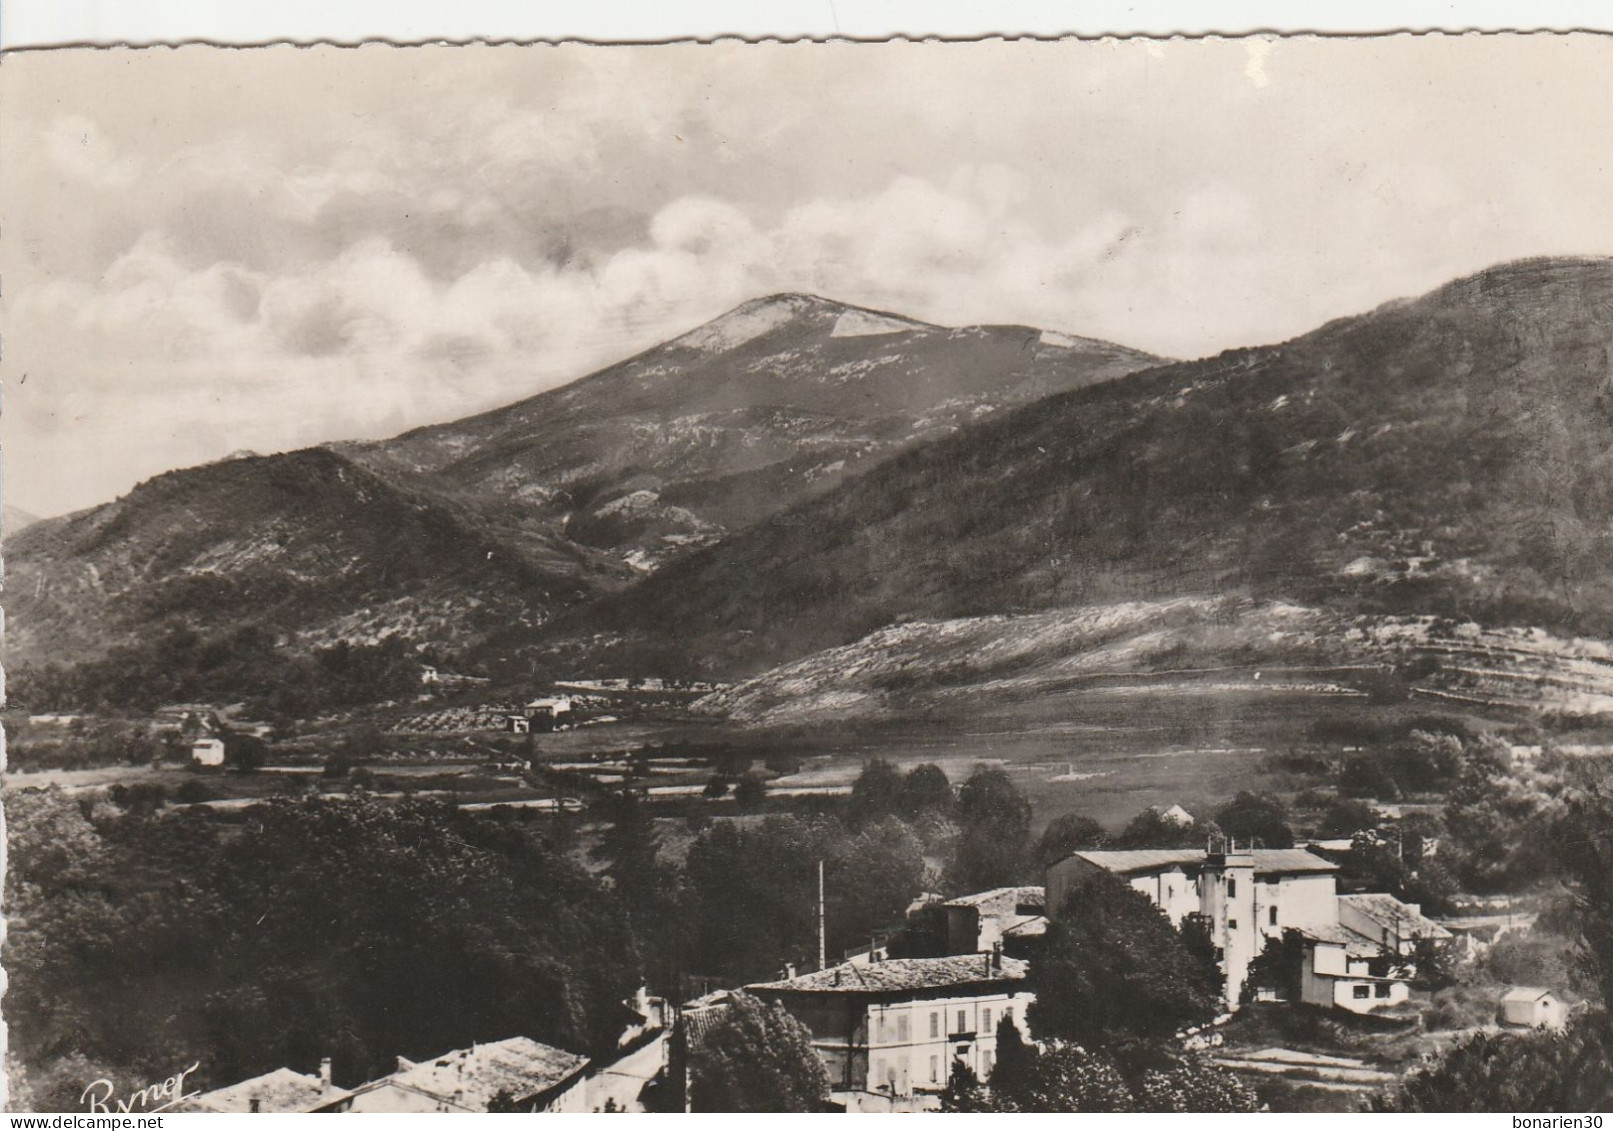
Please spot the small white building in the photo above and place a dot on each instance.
(1337, 972)
(1534, 1007)
(207, 751)
(556, 708)
(1177, 816)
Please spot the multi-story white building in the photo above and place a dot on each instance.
(1246, 897)
(889, 1031)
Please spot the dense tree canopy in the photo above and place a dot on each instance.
(1065, 834)
(1256, 819)
(384, 929)
(1545, 1072)
(994, 821)
(1112, 971)
(247, 664)
(756, 1057)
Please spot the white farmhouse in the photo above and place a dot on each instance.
(207, 751)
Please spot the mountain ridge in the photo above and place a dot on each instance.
(1450, 454)
(519, 512)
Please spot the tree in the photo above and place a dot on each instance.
(238, 928)
(630, 849)
(1112, 971)
(1543, 1072)
(1279, 968)
(1191, 1084)
(1067, 833)
(994, 821)
(245, 752)
(1380, 865)
(756, 1058)
(926, 790)
(1259, 819)
(1016, 1061)
(1367, 774)
(1426, 761)
(750, 792)
(1346, 816)
(1150, 829)
(1431, 966)
(1199, 941)
(877, 792)
(1068, 1078)
(963, 1092)
(1491, 1072)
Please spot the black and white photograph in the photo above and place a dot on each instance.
(1012, 575)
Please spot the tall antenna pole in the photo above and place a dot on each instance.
(822, 963)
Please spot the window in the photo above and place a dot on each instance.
(1232, 887)
(1361, 991)
(1232, 924)
(935, 1068)
(879, 1029)
(963, 1021)
(935, 1026)
(985, 1020)
(901, 1028)
(1273, 914)
(1381, 989)
(1008, 1012)
(986, 1061)
(879, 1074)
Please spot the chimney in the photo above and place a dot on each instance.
(789, 971)
(324, 1073)
(997, 955)
(837, 976)
(254, 1105)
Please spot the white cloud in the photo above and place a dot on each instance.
(282, 248)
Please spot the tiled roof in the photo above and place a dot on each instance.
(698, 1022)
(1355, 945)
(897, 975)
(1524, 993)
(1272, 861)
(1000, 901)
(1031, 926)
(1128, 860)
(279, 1091)
(471, 1077)
(1267, 861)
(1400, 919)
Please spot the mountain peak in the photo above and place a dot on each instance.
(748, 321)
(758, 316)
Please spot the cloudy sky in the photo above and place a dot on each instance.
(205, 251)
